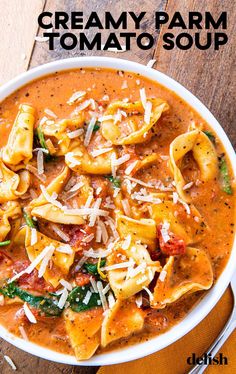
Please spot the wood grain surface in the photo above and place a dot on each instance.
(210, 75)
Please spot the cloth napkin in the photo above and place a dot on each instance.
(173, 359)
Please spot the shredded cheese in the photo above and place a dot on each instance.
(148, 112)
(10, 362)
(33, 238)
(98, 152)
(143, 97)
(77, 96)
(89, 131)
(149, 293)
(29, 314)
(75, 134)
(131, 167)
(40, 162)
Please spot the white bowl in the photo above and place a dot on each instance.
(209, 301)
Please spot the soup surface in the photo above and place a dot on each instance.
(117, 210)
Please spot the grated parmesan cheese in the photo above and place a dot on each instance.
(165, 231)
(98, 152)
(143, 97)
(75, 134)
(66, 284)
(29, 314)
(51, 198)
(131, 167)
(111, 300)
(10, 362)
(33, 238)
(40, 162)
(63, 298)
(149, 293)
(162, 275)
(45, 261)
(89, 131)
(102, 297)
(148, 112)
(66, 248)
(60, 233)
(139, 300)
(87, 297)
(126, 207)
(77, 96)
(50, 113)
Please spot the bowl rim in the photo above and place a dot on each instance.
(206, 304)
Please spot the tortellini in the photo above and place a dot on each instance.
(13, 185)
(143, 230)
(9, 211)
(184, 274)
(129, 130)
(122, 320)
(52, 213)
(83, 329)
(61, 261)
(57, 132)
(81, 161)
(41, 208)
(204, 154)
(126, 282)
(19, 147)
(187, 227)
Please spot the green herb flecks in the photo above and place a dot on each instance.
(93, 268)
(78, 294)
(45, 304)
(6, 242)
(225, 178)
(210, 136)
(29, 221)
(42, 142)
(116, 182)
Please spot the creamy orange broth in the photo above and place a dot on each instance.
(215, 206)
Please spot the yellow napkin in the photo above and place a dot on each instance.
(172, 360)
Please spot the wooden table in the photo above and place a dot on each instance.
(208, 74)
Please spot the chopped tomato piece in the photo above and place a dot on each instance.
(81, 279)
(77, 234)
(174, 246)
(30, 281)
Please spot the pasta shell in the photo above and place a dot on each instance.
(52, 213)
(128, 131)
(122, 320)
(143, 230)
(204, 154)
(57, 132)
(56, 186)
(83, 329)
(20, 142)
(184, 274)
(9, 211)
(124, 286)
(12, 184)
(61, 261)
(183, 225)
(81, 161)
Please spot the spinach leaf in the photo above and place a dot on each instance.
(43, 144)
(2, 244)
(93, 268)
(115, 181)
(226, 185)
(210, 136)
(76, 297)
(28, 220)
(45, 304)
(97, 126)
